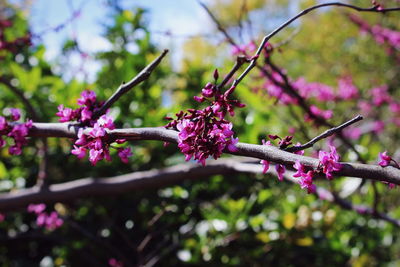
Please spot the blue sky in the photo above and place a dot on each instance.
(181, 17)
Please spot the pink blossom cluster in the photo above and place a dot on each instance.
(283, 143)
(385, 160)
(17, 132)
(243, 49)
(306, 177)
(381, 34)
(88, 105)
(50, 221)
(205, 133)
(329, 161)
(14, 45)
(96, 141)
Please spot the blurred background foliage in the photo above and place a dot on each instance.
(245, 220)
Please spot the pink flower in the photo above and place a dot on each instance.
(80, 152)
(3, 123)
(265, 163)
(15, 150)
(353, 133)
(232, 145)
(300, 169)
(65, 114)
(36, 208)
(15, 114)
(380, 95)
(52, 221)
(347, 90)
(87, 98)
(384, 159)
(106, 122)
(2, 217)
(325, 114)
(95, 156)
(330, 162)
(280, 169)
(124, 154)
(86, 114)
(97, 131)
(41, 219)
(378, 127)
(307, 182)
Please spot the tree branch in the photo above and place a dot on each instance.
(388, 174)
(86, 187)
(125, 87)
(302, 13)
(325, 134)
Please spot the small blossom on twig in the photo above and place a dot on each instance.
(329, 162)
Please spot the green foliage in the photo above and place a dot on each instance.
(245, 220)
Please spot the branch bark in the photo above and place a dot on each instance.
(86, 187)
(388, 174)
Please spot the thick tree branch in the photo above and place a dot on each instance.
(125, 87)
(86, 187)
(373, 172)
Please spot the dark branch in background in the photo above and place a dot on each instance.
(125, 87)
(240, 60)
(219, 25)
(20, 94)
(287, 87)
(388, 174)
(302, 13)
(325, 134)
(88, 187)
(32, 114)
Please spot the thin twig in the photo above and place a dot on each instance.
(125, 87)
(219, 25)
(240, 60)
(288, 22)
(325, 134)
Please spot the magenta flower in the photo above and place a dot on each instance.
(300, 169)
(384, 159)
(325, 114)
(347, 90)
(97, 131)
(15, 114)
(79, 152)
(95, 156)
(307, 182)
(205, 133)
(330, 162)
(280, 169)
(36, 208)
(88, 98)
(52, 221)
(65, 114)
(124, 154)
(265, 163)
(3, 123)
